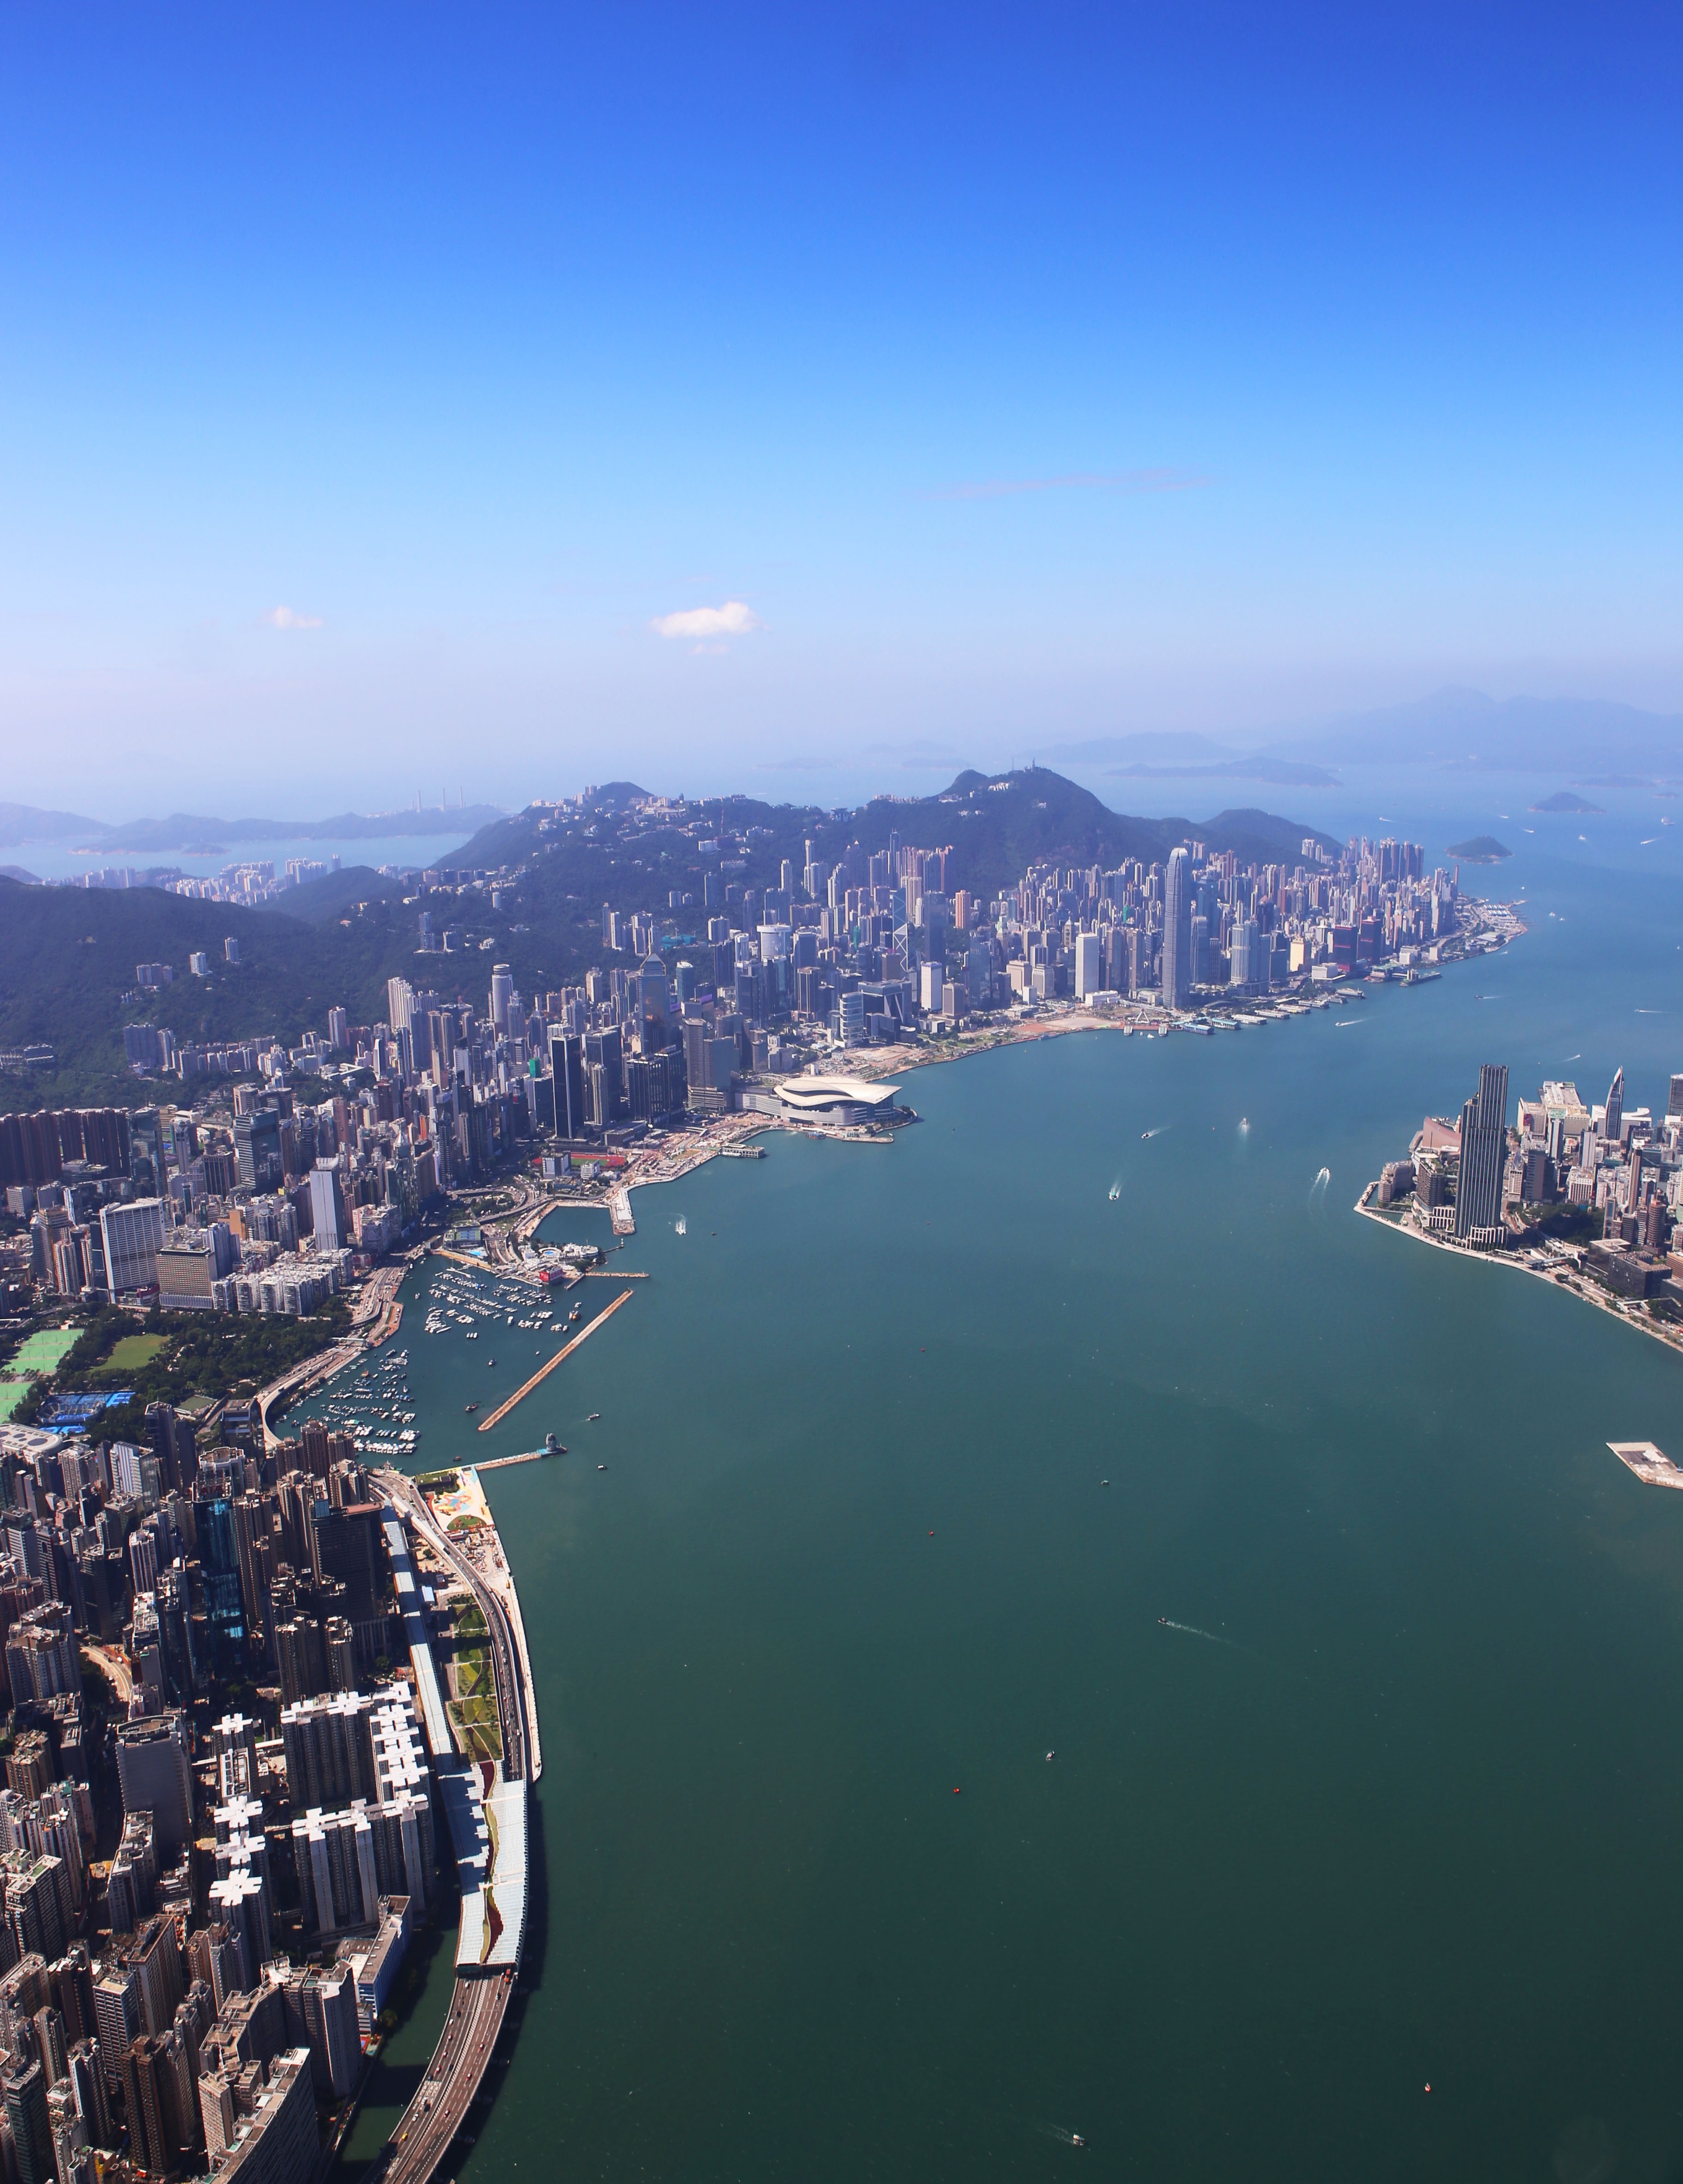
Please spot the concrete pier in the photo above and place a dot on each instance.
(565, 1352)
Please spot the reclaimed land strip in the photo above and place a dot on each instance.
(544, 1371)
(437, 2114)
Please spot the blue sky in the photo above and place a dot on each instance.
(1013, 376)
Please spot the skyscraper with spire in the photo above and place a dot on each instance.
(1612, 1128)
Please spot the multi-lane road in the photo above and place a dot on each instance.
(432, 2119)
(479, 1999)
(505, 1668)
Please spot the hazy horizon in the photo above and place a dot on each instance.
(809, 398)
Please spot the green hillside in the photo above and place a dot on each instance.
(68, 955)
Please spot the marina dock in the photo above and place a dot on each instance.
(543, 1372)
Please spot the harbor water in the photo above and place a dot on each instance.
(1060, 1630)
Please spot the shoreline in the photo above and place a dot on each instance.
(670, 1162)
(1132, 1019)
(1572, 1281)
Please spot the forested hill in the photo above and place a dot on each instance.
(998, 824)
(69, 956)
(995, 824)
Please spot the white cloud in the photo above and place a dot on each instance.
(290, 618)
(734, 619)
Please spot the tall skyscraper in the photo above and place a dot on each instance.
(327, 1206)
(1177, 979)
(26, 2099)
(257, 1150)
(1484, 1152)
(654, 1004)
(1614, 1124)
(152, 1773)
(133, 1235)
(147, 2092)
(566, 1067)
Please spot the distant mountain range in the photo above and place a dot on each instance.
(1172, 756)
(1591, 740)
(187, 834)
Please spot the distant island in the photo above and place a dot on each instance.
(188, 834)
(1564, 800)
(1482, 850)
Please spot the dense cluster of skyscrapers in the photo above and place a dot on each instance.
(1613, 1172)
(875, 945)
(728, 982)
(271, 1209)
(168, 2020)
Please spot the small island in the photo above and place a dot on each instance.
(1482, 850)
(1564, 800)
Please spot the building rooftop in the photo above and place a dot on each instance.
(818, 1092)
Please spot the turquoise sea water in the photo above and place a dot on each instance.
(1388, 1800)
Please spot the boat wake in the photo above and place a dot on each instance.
(1210, 1637)
(1318, 1188)
(1154, 1133)
(680, 1226)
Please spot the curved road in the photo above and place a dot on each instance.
(511, 1694)
(432, 2119)
(431, 2122)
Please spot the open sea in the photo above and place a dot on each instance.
(1088, 1420)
